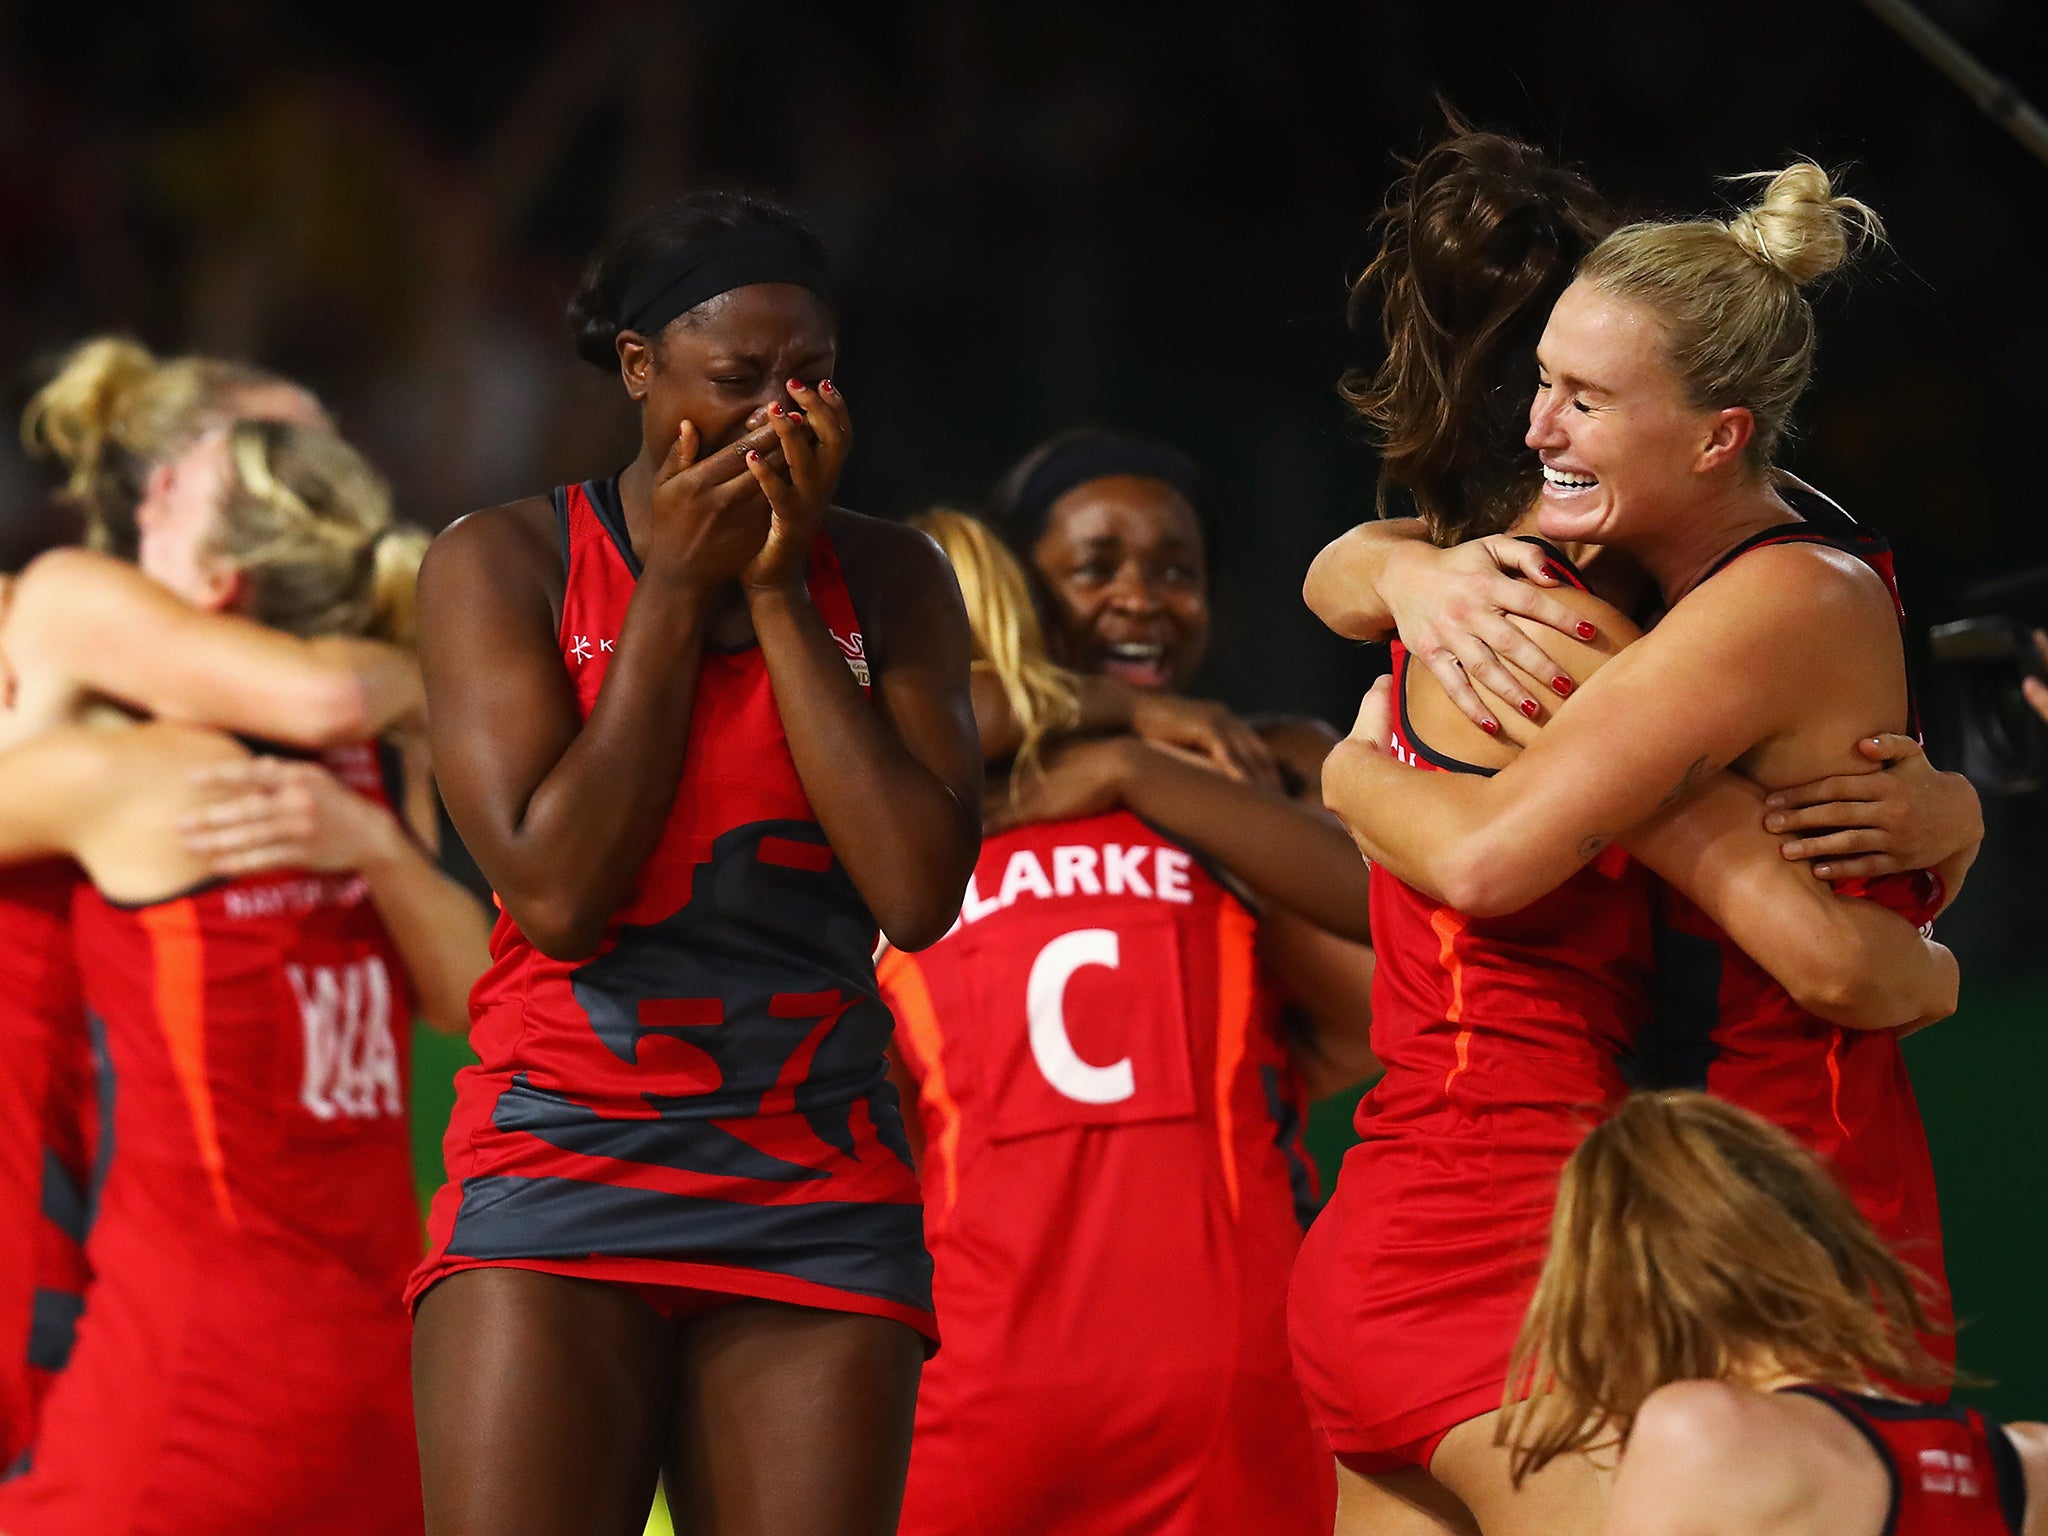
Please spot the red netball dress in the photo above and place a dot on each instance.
(1722, 1024)
(243, 1365)
(1501, 1038)
(703, 1104)
(1114, 1194)
(49, 1142)
(1953, 1472)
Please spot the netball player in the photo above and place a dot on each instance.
(1714, 1307)
(122, 426)
(704, 733)
(241, 1363)
(1110, 1110)
(1498, 1034)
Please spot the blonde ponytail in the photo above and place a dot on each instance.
(1726, 293)
(1009, 642)
(113, 410)
(308, 521)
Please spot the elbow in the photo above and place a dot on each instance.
(912, 926)
(333, 713)
(1480, 881)
(556, 926)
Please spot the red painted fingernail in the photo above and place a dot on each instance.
(796, 386)
(753, 457)
(1491, 727)
(1552, 571)
(1587, 631)
(1528, 707)
(777, 410)
(826, 386)
(1561, 686)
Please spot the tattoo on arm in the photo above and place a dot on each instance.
(1700, 768)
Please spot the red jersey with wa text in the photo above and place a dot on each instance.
(702, 1103)
(50, 1145)
(1501, 1039)
(1114, 1195)
(1722, 1024)
(1953, 1472)
(242, 1364)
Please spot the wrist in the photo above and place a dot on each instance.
(778, 593)
(383, 845)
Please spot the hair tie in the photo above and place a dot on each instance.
(1100, 458)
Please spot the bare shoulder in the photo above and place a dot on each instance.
(60, 582)
(1785, 590)
(503, 547)
(899, 578)
(874, 550)
(2030, 1443)
(1710, 1456)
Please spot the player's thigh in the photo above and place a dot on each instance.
(1406, 1503)
(1567, 1498)
(791, 1419)
(542, 1403)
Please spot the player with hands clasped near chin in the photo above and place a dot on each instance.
(705, 734)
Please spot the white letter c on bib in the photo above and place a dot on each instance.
(1045, 1006)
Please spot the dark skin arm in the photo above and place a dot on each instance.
(895, 783)
(560, 812)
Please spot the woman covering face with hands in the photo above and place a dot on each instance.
(704, 733)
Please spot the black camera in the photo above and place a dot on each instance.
(1999, 743)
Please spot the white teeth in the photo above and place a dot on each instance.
(1567, 480)
(1135, 652)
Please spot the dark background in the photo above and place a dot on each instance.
(1045, 214)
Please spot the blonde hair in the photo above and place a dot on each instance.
(1009, 642)
(308, 521)
(1692, 1240)
(1726, 293)
(113, 410)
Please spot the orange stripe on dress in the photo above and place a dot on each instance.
(1448, 926)
(177, 949)
(1236, 981)
(903, 978)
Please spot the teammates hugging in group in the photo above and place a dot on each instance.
(905, 1001)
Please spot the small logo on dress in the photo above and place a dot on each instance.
(855, 650)
(580, 651)
(1949, 1472)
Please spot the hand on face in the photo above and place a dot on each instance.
(710, 518)
(798, 482)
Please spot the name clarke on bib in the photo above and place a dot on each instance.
(1111, 869)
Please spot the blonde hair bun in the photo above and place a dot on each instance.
(85, 403)
(1800, 228)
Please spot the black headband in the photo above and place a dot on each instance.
(1099, 458)
(718, 262)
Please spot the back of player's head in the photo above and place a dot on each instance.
(1726, 293)
(735, 233)
(1477, 240)
(1009, 641)
(112, 410)
(308, 523)
(1696, 1241)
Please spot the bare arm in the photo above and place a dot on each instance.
(897, 784)
(1493, 845)
(1330, 978)
(105, 628)
(559, 811)
(1286, 852)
